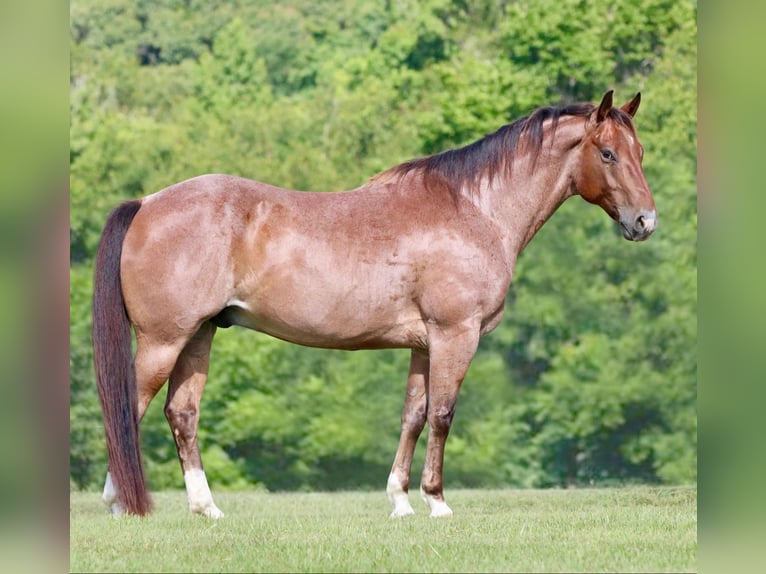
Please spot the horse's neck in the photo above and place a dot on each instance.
(521, 203)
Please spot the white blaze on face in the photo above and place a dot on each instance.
(198, 493)
(398, 498)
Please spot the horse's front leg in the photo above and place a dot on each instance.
(451, 351)
(413, 421)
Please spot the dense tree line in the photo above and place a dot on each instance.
(591, 376)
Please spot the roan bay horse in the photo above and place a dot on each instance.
(420, 257)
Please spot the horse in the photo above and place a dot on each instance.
(420, 257)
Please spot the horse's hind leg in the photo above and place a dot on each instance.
(187, 382)
(154, 362)
(413, 421)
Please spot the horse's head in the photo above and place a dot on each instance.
(610, 173)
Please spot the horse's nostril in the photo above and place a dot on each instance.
(640, 223)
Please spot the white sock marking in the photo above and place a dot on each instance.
(438, 507)
(110, 497)
(110, 492)
(398, 498)
(198, 493)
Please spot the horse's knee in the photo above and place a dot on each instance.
(414, 419)
(440, 417)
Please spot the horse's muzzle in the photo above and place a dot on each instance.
(638, 226)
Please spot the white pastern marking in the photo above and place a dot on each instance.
(438, 508)
(110, 497)
(110, 492)
(398, 498)
(117, 509)
(198, 494)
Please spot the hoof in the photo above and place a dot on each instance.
(440, 510)
(402, 512)
(211, 511)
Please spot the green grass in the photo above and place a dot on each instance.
(638, 529)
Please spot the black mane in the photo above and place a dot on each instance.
(456, 168)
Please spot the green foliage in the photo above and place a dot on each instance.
(591, 376)
(580, 46)
(231, 76)
(87, 451)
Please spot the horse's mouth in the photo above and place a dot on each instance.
(626, 233)
(634, 234)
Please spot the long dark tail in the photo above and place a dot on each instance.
(115, 370)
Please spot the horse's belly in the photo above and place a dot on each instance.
(317, 326)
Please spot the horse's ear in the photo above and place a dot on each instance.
(604, 107)
(632, 106)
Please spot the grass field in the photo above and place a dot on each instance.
(638, 529)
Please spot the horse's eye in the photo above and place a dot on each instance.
(608, 155)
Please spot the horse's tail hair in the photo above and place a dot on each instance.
(115, 369)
